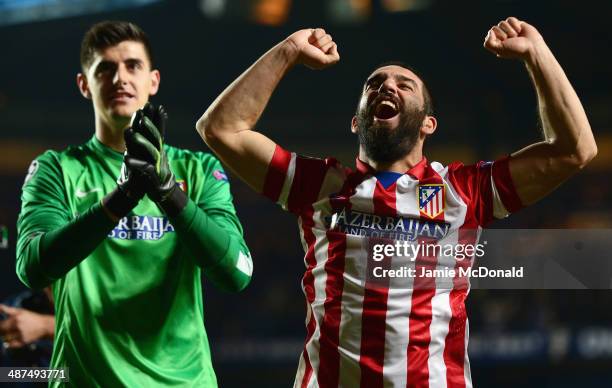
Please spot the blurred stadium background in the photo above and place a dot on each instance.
(486, 107)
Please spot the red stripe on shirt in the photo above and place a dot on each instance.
(454, 346)
(276, 174)
(424, 289)
(315, 178)
(374, 315)
(309, 292)
(505, 185)
(329, 358)
(307, 181)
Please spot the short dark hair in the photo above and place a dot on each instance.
(110, 33)
(428, 105)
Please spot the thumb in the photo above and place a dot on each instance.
(8, 310)
(492, 42)
(333, 51)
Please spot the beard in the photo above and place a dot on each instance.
(386, 145)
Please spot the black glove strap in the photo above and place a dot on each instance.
(118, 203)
(175, 202)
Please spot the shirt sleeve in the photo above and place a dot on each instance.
(296, 182)
(43, 208)
(50, 240)
(487, 189)
(210, 228)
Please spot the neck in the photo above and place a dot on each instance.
(401, 166)
(111, 134)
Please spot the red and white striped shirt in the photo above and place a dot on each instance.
(361, 333)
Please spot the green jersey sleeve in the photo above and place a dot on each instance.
(47, 232)
(210, 228)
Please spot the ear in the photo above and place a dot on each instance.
(83, 86)
(429, 125)
(354, 124)
(155, 79)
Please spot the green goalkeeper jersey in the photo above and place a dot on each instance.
(131, 313)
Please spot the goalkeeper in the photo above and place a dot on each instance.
(122, 234)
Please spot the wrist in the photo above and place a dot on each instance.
(117, 204)
(49, 326)
(536, 54)
(289, 51)
(174, 203)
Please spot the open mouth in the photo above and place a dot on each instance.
(385, 110)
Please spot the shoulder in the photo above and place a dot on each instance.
(459, 169)
(68, 153)
(182, 155)
(53, 162)
(196, 167)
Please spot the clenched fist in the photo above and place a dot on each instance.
(512, 38)
(314, 48)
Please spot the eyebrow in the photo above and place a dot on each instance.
(106, 63)
(407, 79)
(398, 77)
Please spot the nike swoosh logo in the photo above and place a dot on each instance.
(81, 194)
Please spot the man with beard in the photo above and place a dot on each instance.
(395, 331)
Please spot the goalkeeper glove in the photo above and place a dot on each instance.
(147, 159)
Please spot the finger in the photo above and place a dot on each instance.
(8, 310)
(135, 163)
(325, 39)
(326, 47)
(143, 168)
(153, 133)
(6, 327)
(333, 51)
(507, 28)
(136, 118)
(149, 110)
(143, 143)
(499, 33)
(14, 344)
(134, 146)
(515, 23)
(128, 136)
(162, 117)
(318, 33)
(492, 43)
(157, 115)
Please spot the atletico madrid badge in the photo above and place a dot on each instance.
(182, 184)
(431, 200)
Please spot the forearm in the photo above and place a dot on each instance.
(220, 253)
(564, 121)
(48, 331)
(50, 255)
(241, 104)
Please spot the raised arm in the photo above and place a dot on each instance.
(227, 125)
(568, 144)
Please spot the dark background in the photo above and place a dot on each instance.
(485, 107)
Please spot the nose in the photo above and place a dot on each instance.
(388, 86)
(121, 75)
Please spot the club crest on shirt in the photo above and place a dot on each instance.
(31, 171)
(182, 184)
(220, 175)
(431, 200)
